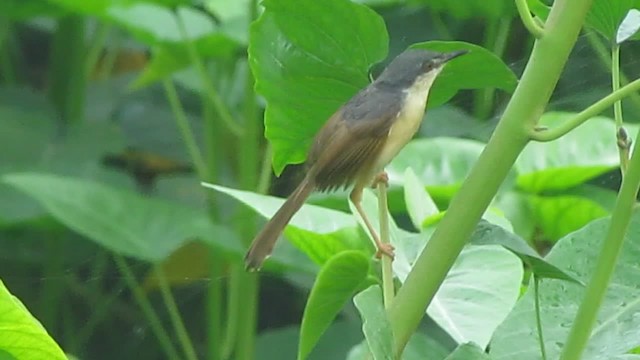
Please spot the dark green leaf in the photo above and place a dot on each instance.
(617, 328)
(375, 324)
(23, 337)
(491, 9)
(308, 58)
(123, 222)
(337, 281)
(478, 69)
(22, 10)
(468, 351)
(487, 233)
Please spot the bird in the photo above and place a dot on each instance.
(355, 144)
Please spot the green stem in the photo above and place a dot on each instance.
(611, 247)
(536, 292)
(388, 291)
(540, 77)
(603, 54)
(623, 149)
(95, 50)
(67, 84)
(527, 19)
(265, 171)
(586, 114)
(234, 299)
(141, 298)
(174, 314)
(185, 128)
(222, 110)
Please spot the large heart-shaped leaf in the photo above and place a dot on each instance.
(584, 153)
(478, 69)
(629, 27)
(23, 337)
(556, 216)
(121, 221)
(308, 58)
(337, 281)
(468, 351)
(605, 16)
(617, 329)
(419, 347)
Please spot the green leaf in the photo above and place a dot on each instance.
(419, 347)
(582, 154)
(629, 27)
(337, 281)
(556, 216)
(478, 69)
(605, 16)
(375, 325)
(440, 163)
(123, 222)
(478, 293)
(491, 9)
(22, 10)
(308, 58)
(539, 9)
(419, 204)
(617, 328)
(490, 234)
(23, 337)
(319, 232)
(468, 351)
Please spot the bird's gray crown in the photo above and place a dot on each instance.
(408, 66)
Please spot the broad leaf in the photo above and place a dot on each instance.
(419, 347)
(556, 216)
(629, 27)
(617, 328)
(491, 9)
(420, 206)
(468, 351)
(440, 163)
(375, 324)
(308, 58)
(582, 154)
(23, 337)
(605, 16)
(478, 69)
(487, 234)
(337, 281)
(121, 221)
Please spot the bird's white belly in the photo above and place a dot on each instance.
(403, 129)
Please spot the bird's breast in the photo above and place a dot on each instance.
(404, 127)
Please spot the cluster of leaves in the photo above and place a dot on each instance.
(307, 58)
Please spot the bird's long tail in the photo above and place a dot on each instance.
(264, 242)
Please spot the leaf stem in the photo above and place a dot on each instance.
(543, 70)
(527, 19)
(388, 291)
(96, 47)
(144, 303)
(623, 146)
(222, 110)
(584, 115)
(536, 292)
(184, 126)
(174, 314)
(611, 247)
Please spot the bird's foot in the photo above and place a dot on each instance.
(386, 249)
(382, 178)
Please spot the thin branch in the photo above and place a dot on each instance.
(536, 293)
(388, 291)
(586, 114)
(527, 19)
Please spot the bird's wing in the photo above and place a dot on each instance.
(352, 138)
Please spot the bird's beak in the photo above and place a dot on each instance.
(452, 55)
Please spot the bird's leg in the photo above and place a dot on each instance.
(381, 178)
(383, 248)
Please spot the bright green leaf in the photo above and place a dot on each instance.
(556, 216)
(420, 206)
(582, 154)
(617, 328)
(338, 280)
(121, 221)
(605, 16)
(478, 69)
(440, 163)
(468, 351)
(23, 337)
(487, 234)
(375, 324)
(308, 58)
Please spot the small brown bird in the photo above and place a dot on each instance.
(359, 140)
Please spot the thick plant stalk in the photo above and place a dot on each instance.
(529, 101)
